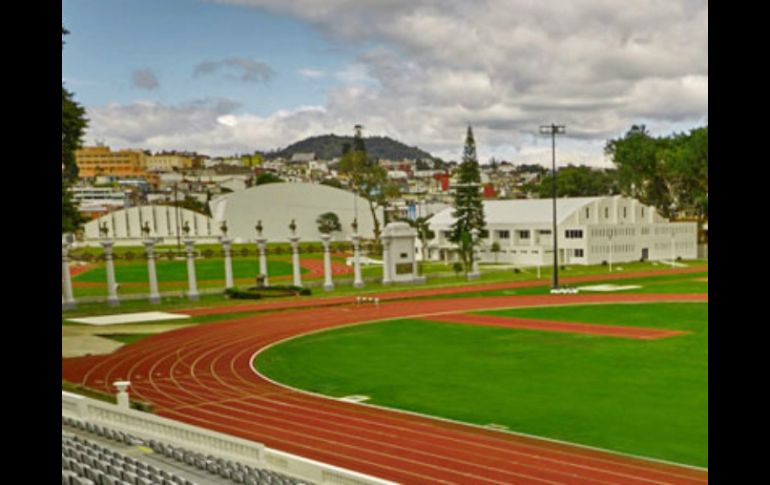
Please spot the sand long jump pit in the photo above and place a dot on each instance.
(123, 318)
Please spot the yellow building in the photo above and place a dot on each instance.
(100, 160)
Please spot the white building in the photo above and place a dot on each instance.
(166, 222)
(277, 204)
(590, 230)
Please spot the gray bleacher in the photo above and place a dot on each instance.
(86, 460)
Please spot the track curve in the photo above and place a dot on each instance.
(202, 375)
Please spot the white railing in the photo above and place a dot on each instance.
(194, 438)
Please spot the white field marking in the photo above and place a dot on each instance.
(355, 398)
(121, 318)
(496, 426)
(608, 287)
(515, 433)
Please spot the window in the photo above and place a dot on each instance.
(588, 213)
(624, 212)
(578, 253)
(503, 234)
(573, 234)
(642, 211)
(523, 234)
(606, 212)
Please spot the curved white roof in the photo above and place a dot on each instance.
(522, 211)
(127, 223)
(278, 203)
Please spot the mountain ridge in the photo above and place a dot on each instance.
(328, 147)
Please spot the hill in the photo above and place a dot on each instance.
(327, 147)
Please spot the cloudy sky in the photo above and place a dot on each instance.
(234, 76)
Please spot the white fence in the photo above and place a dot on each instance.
(194, 438)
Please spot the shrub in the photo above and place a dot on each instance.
(207, 253)
(129, 255)
(516, 270)
(244, 251)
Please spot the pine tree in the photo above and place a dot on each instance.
(73, 123)
(469, 210)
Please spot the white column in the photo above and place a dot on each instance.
(474, 274)
(386, 277)
(122, 396)
(262, 259)
(112, 290)
(297, 279)
(610, 240)
(68, 298)
(192, 294)
(150, 247)
(357, 281)
(228, 263)
(328, 283)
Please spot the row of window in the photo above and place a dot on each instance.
(615, 248)
(573, 234)
(607, 212)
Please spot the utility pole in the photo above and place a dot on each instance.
(176, 210)
(553, 130)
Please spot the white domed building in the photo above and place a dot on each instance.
(277, 204)
(166, 224)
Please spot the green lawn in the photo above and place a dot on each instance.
(173, 271)
(642, 397)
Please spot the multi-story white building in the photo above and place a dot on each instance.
(591, 230)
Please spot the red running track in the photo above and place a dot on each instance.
(556, 326)
(202, 375)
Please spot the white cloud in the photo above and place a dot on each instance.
(311, 73)
(431, 67)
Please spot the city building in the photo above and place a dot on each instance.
(101, 161)
(591, 230)
(167, 162)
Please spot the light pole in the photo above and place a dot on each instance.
(553, 130)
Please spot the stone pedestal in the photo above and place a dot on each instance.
(328, 283)
(112, 290)
(358, 282)
(123, 399)
(150, 248)
(297, 279)
(192, 283)
(261, 242)
(68, 298)
(386, 280)
(226, 246)
(398, 254)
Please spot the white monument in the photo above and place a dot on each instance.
(399, 255)
(294, 240)
(68, 298)
(358, 282)
(261, 241)
(328, 283)
(226, 246)
(192, 282)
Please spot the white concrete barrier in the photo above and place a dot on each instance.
(194, 438)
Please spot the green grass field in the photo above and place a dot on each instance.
(173, 271)
(648, 398)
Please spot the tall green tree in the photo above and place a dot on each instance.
(468, 207)
(669, 172)
(73, 126)
(580, 181)
(367, 178)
